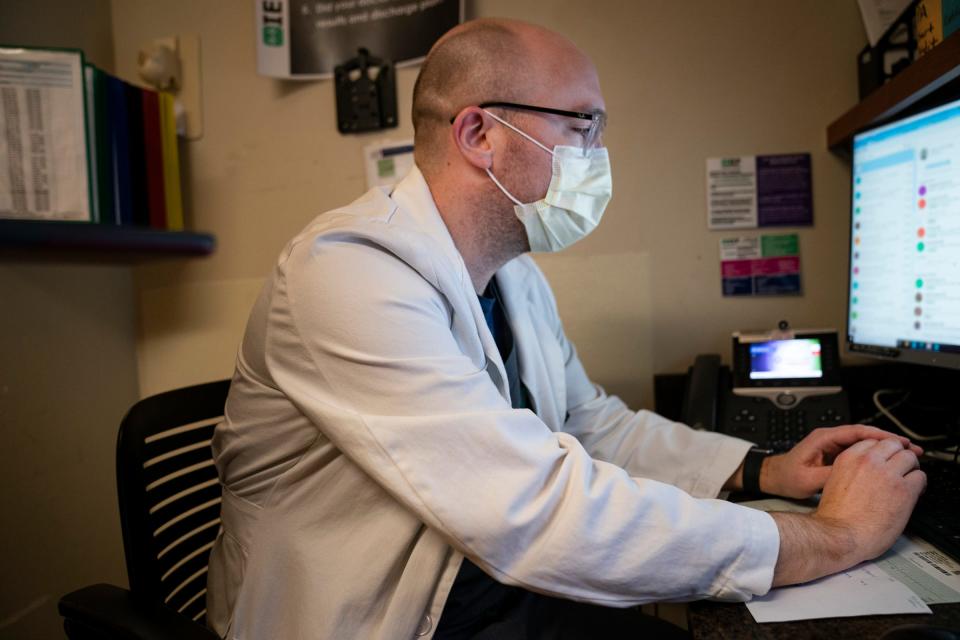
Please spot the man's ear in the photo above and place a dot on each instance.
(470, 132)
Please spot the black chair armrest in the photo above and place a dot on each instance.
(106, 611)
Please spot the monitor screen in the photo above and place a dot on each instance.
(786, 359)
(904, 289)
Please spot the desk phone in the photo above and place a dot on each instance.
(782, 385)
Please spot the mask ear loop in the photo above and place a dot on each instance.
(502, 188)
(527, 136)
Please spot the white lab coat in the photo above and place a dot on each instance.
(369, 444)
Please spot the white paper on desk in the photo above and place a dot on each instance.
(894, 583)
(862, 591)
(929, 573)
(926, 571)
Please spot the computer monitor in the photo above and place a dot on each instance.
(904, 288)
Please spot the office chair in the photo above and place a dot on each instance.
(170, 516)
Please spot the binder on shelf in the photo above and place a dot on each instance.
(171, 163)
(120, 151)
(138, 164)
(153, 153)
(82, 145)
(104, 178)
(90, 121)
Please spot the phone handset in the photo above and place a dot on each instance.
(702, 393)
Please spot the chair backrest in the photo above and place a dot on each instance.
(170, 494)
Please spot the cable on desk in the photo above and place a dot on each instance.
(950, 454)
(891, 407)
(886, 412)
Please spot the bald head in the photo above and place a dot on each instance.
(484, 60)
(475, 167)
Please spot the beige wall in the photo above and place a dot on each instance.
(683, 81)
(67, 374)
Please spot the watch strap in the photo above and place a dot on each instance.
(751, 469)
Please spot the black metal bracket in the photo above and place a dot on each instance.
(894, 52)
(366, 91)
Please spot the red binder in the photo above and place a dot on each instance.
(153, 152)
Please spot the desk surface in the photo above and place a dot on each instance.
(722, 620)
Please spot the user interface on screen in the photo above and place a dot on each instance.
(905, 236)
(783, 359)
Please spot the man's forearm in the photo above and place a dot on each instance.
(811, 547)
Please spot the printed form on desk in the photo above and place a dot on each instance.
(910, 576)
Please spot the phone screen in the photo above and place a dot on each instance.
(786, 359)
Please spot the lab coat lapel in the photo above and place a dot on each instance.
(412, 196)
(542, 369)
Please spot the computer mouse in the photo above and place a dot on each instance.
(920, 632)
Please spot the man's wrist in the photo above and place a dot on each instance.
(754, 474)
(811, 547)
(843, 546)
(770, 476)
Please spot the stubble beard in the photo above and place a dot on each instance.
(504, 233)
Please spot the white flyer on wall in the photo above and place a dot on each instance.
(732, 192)
(387, 162)
(43, 145)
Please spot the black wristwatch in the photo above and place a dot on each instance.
(751, 469)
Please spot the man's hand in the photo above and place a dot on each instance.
(866, 501)
(872, 491)
(803, 471)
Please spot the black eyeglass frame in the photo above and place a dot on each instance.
(582, 115)
(598, 119)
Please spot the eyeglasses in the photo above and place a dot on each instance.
(591, 133)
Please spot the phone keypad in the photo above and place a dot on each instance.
(760, 420)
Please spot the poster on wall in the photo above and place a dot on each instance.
(768, 265)
(306, 39)
(745, 192)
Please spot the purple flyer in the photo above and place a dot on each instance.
(784, 190)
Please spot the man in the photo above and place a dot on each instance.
(411, 446)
